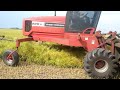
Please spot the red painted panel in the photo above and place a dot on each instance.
(58, 35)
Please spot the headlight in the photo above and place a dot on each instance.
(28, 25)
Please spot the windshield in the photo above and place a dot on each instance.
(80, 20)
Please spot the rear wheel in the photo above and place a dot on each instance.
(100, 63)
(12, 60)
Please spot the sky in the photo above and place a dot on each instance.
(10, 19)
(109, 20)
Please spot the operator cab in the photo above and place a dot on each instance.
(77, 21)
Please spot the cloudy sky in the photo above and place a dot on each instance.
(109, 20)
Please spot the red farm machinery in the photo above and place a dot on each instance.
(78, 29)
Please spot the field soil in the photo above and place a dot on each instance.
(34, 71)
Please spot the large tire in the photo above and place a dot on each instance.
(13, 61)
(99, 56)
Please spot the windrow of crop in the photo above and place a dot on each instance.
(45, 53)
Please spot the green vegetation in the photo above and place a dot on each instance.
(45, 53)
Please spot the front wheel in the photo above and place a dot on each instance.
(100, 63)
(12, 60)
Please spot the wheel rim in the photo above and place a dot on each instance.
(10, 59)
(101, 66)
